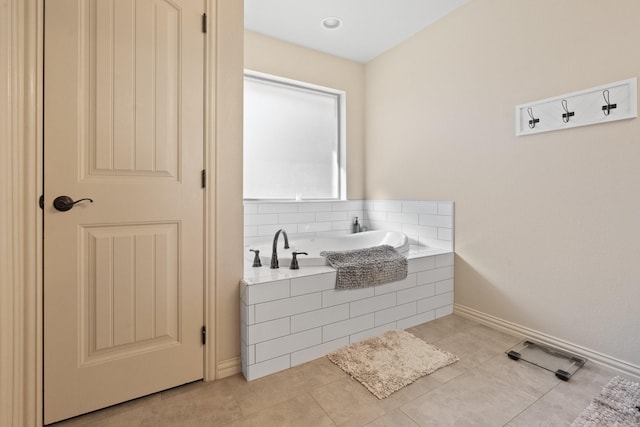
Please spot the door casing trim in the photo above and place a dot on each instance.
(21, 388)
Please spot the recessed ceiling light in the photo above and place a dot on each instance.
(331, 23)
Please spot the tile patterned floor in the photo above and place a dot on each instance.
(484, 388)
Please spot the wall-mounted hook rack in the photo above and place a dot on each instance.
(580, 108)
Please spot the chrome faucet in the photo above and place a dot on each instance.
(274, 254)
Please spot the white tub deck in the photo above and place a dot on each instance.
(313, 246)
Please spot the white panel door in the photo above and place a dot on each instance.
(123, 275)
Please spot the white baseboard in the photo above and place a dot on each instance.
(515, 329)
(228, 367)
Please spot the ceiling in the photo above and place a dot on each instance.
(369, 27)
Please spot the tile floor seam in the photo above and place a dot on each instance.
(531, 405)
(322, 408)
(410, 417)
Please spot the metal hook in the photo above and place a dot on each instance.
(533, 121)
(606, 109)
(567, 113)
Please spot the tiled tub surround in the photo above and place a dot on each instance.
(426, 223)
(290, 317)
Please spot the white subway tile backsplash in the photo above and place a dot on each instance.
(416, 320)
(250, 231)
(259, 370)
(395, 313)
(356, 214)
(391, 226)
(244, 330)
(250, 208)
(444, 311)
(404, 218)
(292, 321)
(377, 225)
(331, 216)
(244, 308)
(347, 327)
(436, 220)
(286, 345)
(270, 208)
(335, 297)
(435, 275)
(314, 319)
(435, 243)
(314, 227)
(445, 234)
(248, 353)
(444, 286)
(444, 260)
(433, 226)
(369, 333)
(287, 307)
(271, 229)
(315, 283)
(268, 330)
(264, 292)
(420, 207)
(314, 207)
(429, 304)
(348, 205)
(421, 264)
(315, 352)
(247, 313)
(260, 219)
(358, 308)
(383, 205)
(416, 293)
(408, 282)
(301, 235)
(445, 208)
(289, 218)
(375, 215)
(420, 230)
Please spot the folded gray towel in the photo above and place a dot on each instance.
(360, 268)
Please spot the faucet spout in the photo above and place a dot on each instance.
(274, 254)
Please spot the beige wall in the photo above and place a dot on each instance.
(226, 157)
(272, 56)
(547, 225)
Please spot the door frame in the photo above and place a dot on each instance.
(21, 166)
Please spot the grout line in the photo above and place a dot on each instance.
(335, 423)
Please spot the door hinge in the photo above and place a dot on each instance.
(204, 178)
(203, 334)
(41, 202)
(204, 22)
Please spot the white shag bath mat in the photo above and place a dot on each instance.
(391, 361)
(618, 404)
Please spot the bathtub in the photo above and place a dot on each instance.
(313, 246)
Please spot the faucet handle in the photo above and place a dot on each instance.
(294, 260)
(256, 259)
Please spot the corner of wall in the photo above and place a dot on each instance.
(226, 42)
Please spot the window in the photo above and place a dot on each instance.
(293, 140)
